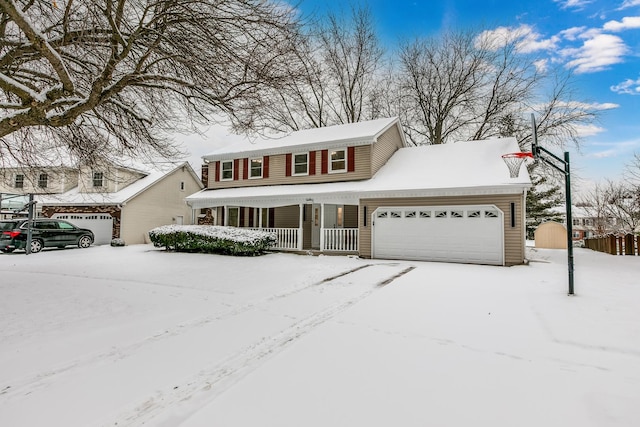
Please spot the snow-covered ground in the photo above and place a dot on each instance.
(135, 335)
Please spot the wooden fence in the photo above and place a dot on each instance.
(628, 244)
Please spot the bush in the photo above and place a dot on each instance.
(212, 239)
(117, 242)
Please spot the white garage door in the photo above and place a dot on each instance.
(468, 234)
(100, 223)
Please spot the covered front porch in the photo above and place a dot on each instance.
(321, 218)
(322, 227)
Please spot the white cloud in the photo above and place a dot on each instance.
(588, 130)
(628, 3)
(628, 87)
(628, 22)
(526, 39)
(573, 33)
(576, 4)
(541, 65)
(597, 53)
(604, 154)
(587, 105)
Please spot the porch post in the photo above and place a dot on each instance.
(300, 216)
(226, 215)
(321, 227)
(260, 217)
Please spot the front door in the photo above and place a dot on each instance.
(315, 226)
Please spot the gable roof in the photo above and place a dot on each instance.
(454, 169)
(339, 136)
(154, 175)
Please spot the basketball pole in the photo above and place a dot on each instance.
(564, 166)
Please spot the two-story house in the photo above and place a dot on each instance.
(357, 188)
(113, 201)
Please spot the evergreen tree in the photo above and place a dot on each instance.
(541, 199)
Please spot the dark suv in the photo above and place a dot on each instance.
(44, 233)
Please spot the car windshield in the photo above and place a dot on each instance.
(8, 225)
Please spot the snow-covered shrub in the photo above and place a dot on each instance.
(212, 239)
(117, 242)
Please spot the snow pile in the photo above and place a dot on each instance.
(212, 239)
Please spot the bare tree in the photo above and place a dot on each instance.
(632, 172)
(106, 78)
(336, 76)
(595, 204)
(352, 55)
(465, 86)
(615, 206)
(624, 206)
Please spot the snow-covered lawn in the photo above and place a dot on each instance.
(135, 335)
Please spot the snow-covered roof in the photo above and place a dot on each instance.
(351, 134)
(454, 169)
(75, 197)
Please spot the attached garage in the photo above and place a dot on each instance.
(100, 223)
(466, 234)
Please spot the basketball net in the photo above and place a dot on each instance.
(514, 161)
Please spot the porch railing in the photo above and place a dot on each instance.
(287, 237)
(341, 239)
(335, 239)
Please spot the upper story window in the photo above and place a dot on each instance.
(255, 168)
(301, 164)
(98, 179)
(226, 170)
(19, 181)
(338, 161)
(43, 180)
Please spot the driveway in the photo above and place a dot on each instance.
(137, 336)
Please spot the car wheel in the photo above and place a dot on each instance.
(84, 242)
(36, 246)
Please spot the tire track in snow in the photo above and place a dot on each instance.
(43, 379)
(215, 380)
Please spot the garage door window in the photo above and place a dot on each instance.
(425, 214)
(441, 214)
(383, 214)
(490, 214)
(473, 214)
(409, 214)
(395, 214)
(457, 214)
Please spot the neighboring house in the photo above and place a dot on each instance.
(586, 224)
(357, 188)
(44, 179)
(112, 201)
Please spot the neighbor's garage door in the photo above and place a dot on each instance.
(468, 234)
(100, 223)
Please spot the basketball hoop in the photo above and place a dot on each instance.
(514, 161)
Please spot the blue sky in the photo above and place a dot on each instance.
(597, 40)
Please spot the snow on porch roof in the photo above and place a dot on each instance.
(463, 168)
(348, 134)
